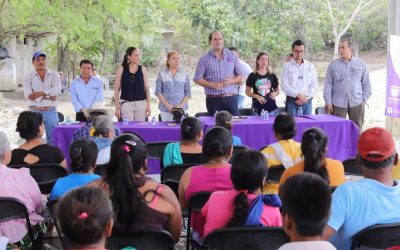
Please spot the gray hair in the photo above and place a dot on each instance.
(349, 41)
(102, 125)
(4, 146)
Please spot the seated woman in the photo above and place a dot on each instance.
(83, 153)
(31, 128)
(313, 146)
(224, 119)
(285, 151)
(102, 133)
(188, 149)
(19, 184)
(232, 208)
(86, 218)
(139, 202)
(212, 176)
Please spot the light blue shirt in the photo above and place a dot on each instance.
(236, 141)
(73, 180)
(83, 95)
(357, 205)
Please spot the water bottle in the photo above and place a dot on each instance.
(266, 115)
(153, 121)
(67, 120)
(300, 112)
(262, 114)
(125, 120)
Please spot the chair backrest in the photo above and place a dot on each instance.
(351, 167)
(379, 236)
(195, 204)
(144, 240)
(246, 238)
(10, 209)
(246, 111)
(45, 175)
(155, 150)
(171, 175)
(100, 169)
(60, 117)
(275, 173)
(320, 111)
(202, 114)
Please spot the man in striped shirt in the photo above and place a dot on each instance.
(347, 86)
(218, 72)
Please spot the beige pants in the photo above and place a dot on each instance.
(356, 114)
(136, 110)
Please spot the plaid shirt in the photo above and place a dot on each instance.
(84, 132)
(212, 69)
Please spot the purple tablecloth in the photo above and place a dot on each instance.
(256, 133)
(163, 131)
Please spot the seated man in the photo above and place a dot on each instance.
(372, 200)
(306, 204)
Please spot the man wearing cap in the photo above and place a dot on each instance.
(372, 200)
(218, 71)
(85, 91)
(41, 89)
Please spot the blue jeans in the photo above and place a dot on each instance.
(50, 119)
(292, 108)
(240, 100)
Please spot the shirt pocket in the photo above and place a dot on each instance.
(356, 73)
(338, 74)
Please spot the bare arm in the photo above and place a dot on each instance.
(164, 102)
(117, 88)
(174, 222)
(183, 184)
(146, 90)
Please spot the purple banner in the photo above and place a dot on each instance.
(393, 79)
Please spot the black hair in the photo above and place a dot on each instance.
(290, 54)
(28, 124)
(83, 154)
(190, 128)
(313, 148)
(128, 52)
(224, 119)
(85, 61)
(388, 162)
(297, 43)
(285, 126)
(210, 35)
(128, 156)
(217, 143)
(306, 198)
(248, 171)
(83, 214)
(233, 49)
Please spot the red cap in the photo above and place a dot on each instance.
(375, 144)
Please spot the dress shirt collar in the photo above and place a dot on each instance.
(47, 72)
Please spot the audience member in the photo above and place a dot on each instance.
(83, 154)
(224, 119)
(86, 218)
(139, 202)
(262, 85)
(289, 57)
(30, 126)
(172, 87)
(188, 149)
(372, 200)
(102, 133)
(236, 207)
(19, 184)
(212, 176)
(306, 204)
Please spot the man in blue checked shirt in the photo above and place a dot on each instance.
(218, 71)
(85, 91)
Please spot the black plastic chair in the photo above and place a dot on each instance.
(10, 209)
(195, 204)
(171, 175)
(351, 167)
(60, 117)
(100, 169)
(51, 207)
(155, 150)
(379, 236)
(202, 114)
(144, 240)
(246, 111)
(244, 238)
(275, 173)
(45, 175)
(320, 111)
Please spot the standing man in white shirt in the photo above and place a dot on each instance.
(85, 91)
(41, 89)
(245, 70)
(299, 81)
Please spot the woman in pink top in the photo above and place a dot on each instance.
(232, 208)
(212, 176)
(18, 184)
